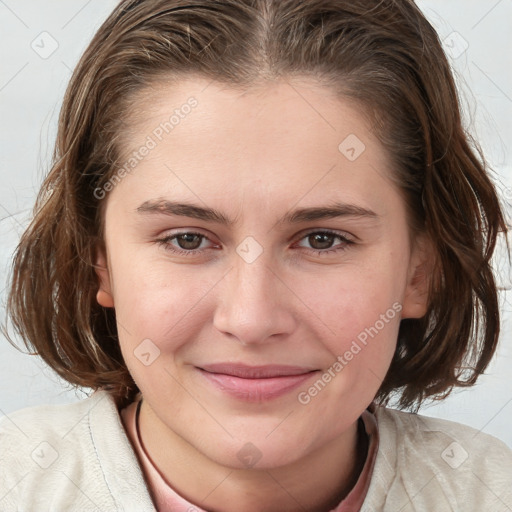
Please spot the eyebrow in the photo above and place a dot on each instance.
(335, 210)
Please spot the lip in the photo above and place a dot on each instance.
(255, 383)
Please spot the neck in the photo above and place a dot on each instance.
(317, 482)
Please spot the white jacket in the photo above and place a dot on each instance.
(77, 457)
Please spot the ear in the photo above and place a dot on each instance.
(104, 293)
(421, 268)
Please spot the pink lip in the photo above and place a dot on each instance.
(255, 383)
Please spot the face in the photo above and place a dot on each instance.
(259, 261)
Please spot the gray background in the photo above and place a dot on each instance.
(477, 36)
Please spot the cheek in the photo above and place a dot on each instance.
(362, 312)
(158, 313)
(364, 317)
(158, 301)
(351, 302)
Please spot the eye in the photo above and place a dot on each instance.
(321, 242)
(190, 243)
(186, 243)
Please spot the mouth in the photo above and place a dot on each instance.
(255, 383)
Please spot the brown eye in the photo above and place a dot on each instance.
(325, 242)
(186, 243)
(321, 240)
(189, 241)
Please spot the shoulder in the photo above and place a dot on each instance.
(53, 419)
(54, 426)
(61, 457)
(435, 431)
(441, 464)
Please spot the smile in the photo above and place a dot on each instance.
(255, 383)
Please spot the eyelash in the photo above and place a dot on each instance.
(165, 242)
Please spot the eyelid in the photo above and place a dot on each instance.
(349, 237)
(346, 239)
(170, 233)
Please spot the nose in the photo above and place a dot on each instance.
(254, 303)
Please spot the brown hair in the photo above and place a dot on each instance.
(383, 54)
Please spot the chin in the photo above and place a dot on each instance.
(259, 454)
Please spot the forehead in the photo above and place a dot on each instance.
(277, 141)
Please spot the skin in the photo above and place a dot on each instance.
(255, 156)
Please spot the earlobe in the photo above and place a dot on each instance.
(104, 299)
(104, 293)
(416, 298)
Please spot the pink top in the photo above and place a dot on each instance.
(167, 500)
